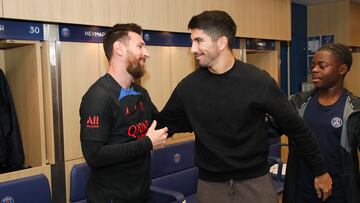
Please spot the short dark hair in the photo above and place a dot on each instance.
(118, 32)
(342, 52)
(216, 24)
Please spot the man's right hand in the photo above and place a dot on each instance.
(157, 137)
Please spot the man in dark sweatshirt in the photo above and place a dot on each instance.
(224, 102)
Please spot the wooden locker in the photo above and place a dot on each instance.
(25, 81)
(266, 60)
(352, 82)
(80, 68)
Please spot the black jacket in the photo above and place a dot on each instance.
(11, 149)
(350, 145)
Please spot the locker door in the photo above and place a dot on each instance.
(80, 68)
(23, 72)
(266, 60)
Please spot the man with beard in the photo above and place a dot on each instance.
(116, 136)
(225, 102)
(333, 113)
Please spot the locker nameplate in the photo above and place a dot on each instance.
(84, 33)
(21, 30)
(81, 33)
(162, 38)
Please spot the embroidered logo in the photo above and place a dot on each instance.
(336, 122)
(8, 199)
(177, 158)
(129, 110)
(92, 122)
(138, 130)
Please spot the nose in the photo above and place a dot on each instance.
(146, 53)
(194, 47)
(314, 68)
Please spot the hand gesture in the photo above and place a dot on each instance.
(157, 137)
(323, 186)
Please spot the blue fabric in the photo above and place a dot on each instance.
(30, 189)
(326, 122)
(184, 182)
(173, 158)
(173, 168)
(125, 92)
(78, 180)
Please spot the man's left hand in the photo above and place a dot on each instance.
(323, 186)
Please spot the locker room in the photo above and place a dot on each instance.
(51, 52)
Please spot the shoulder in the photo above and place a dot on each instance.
(97, 94)
(354, 100)
(98, 89)
(300, 98)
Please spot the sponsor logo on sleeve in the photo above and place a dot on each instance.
(92, 122)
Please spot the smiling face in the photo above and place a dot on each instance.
(204, 47)
(136, 55)
(327, 70)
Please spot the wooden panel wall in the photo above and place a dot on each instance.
(180, 12)
(104, 65)
(329, 18)
(157, 79)
(79, 70)
(182, 64)
(264, 19)
(1, 9)
(352, 82)
(152, 14)
(268, 19)
(92, 12)
(47, 10)
(354, 24)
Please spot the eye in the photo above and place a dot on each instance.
(323, 65)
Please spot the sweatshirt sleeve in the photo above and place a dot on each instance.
(98, 154)
(173, 115)
(290, 123)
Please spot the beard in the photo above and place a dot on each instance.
(135, 68)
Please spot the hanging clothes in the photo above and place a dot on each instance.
(11, 148)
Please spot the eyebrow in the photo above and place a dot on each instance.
(198, 39)
(141, 43)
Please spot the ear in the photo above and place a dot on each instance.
(119, 48)
(222, 42)
(344, 68)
